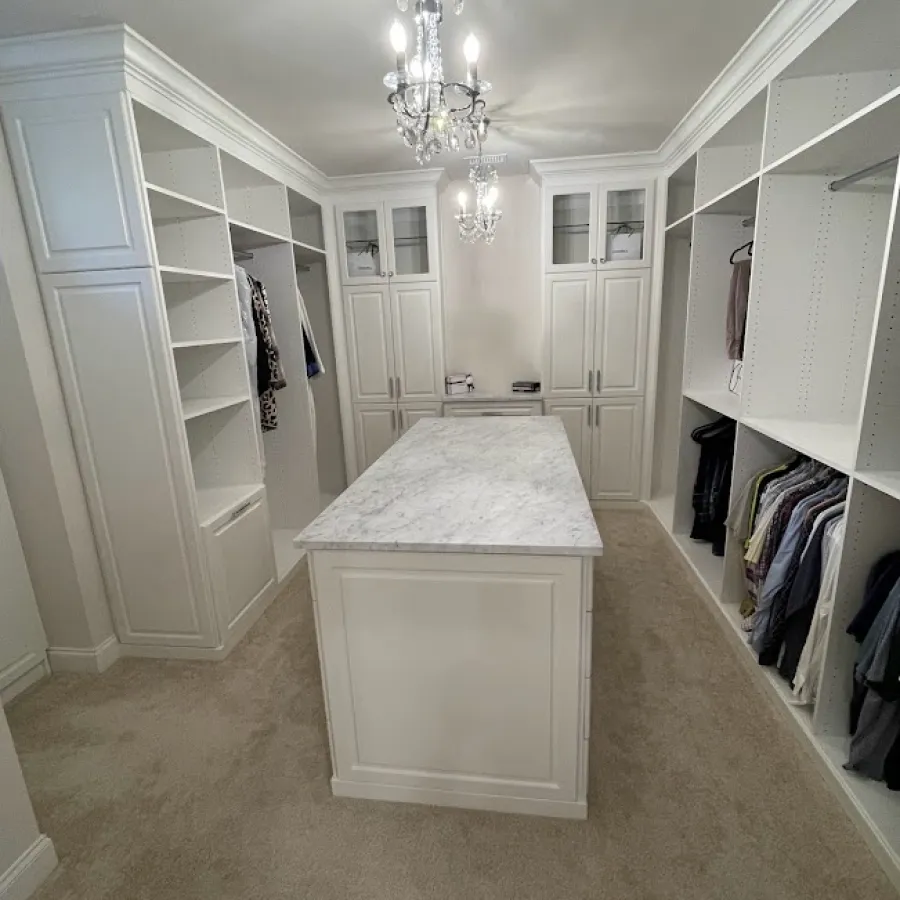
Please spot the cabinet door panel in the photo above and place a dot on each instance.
(124, 410)
(416, 326)
(616, 450)
(568, 335)
(576, 417)
(411, 413)
(412, 240)
(625, 213)
(376, 431)
(361, 234)
(620, 342)
(369, 344)
(77, 175)
(570, 215)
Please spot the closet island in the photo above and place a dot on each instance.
(452, 587)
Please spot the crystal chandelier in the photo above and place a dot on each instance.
(434, 115)
(481, 223)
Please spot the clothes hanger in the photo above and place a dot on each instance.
(748, 247)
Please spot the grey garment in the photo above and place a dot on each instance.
(874, 652)
(777, 487)
(781, 564)
(736, 318)
(739, 514)
(832, 512)
(877, 732)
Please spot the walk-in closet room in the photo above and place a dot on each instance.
(449, 450)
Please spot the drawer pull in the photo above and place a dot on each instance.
(240, 510)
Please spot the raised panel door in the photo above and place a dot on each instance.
(416, 326)
(410, 413)
(377, 428)
(123, 406)
(620, 334)
(568, 335)
(616, 450)
(576, 417)
(367, 314)
(76, 169)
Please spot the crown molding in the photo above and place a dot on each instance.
(387, 181)
(645, 162)
(783, 35)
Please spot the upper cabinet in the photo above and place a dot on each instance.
(598, 226)
(388, 240)
(82, 206)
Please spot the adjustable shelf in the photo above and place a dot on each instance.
(214, 502)
(305, 255)
(193, 409)
(832, 443)
(723, 402)
(246, 238)
(166, 205)
(208, 342)
(177, 274)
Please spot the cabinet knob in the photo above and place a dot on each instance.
(593, 260)
(602, 259)
(390, 274)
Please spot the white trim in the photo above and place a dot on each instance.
(585, 166)
(560, 809)
(29, 671)
(417, 179)
(29, 871)
(92, 660)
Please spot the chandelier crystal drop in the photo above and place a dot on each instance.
(434, 115)
(481, 223)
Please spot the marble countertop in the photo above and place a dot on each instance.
(487, 397)
(495, 485)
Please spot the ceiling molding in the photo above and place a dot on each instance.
(645, 162)
(409, 178)
(783, 35)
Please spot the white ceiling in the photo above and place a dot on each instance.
(571, 77)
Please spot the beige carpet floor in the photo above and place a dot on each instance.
(170, 780)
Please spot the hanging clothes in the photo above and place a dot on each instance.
(312, 357)
(713, 482)
(736, 316)
(248, 326)
(269, 371)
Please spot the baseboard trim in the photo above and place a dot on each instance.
(33, 668)
(559, 809)
(89, 660)
(29, 871)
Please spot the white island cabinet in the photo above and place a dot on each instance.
(452, 588)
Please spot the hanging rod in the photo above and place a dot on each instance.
(242, 255)
(841, 183)
(746, 223)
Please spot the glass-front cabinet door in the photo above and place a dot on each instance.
(363, 244)
(571, 216)
(411, 229)
(625, 226)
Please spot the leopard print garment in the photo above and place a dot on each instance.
(270, 372)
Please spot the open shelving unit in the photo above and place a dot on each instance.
(821, 367)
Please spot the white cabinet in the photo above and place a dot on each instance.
(394, 342)
(616, 450)
(410, 413)
(388, 240)
(22, 640)
(74, 160)
(606, 438)
(376, 430)
(595, 226)
(489, 408)
(595, 334)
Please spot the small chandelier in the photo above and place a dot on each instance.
(481, 223)
(434, 115)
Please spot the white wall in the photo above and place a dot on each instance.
(492, 294)
(26, 857)
(37, 453)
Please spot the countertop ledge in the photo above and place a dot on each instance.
(496, 485)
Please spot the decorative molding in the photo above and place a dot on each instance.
(387, 181)
(29, 670)
(29, 871)
(644, 163)
(90, 660)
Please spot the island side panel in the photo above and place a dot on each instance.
(457, 679)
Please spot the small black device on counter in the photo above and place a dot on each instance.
(526, 387)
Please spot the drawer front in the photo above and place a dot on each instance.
(241, 559)
(531, 408)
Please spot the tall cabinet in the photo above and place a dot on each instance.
(596, 261)
(390, 270)
(136, 207)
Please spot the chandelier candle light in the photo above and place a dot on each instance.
(434, 115)
(481, 223)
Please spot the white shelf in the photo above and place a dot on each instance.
(832, 443)
(708, 568)
(215, 502)
(194, 408)
(737, 201)
(664, 509)
(246, 237)
(304, 254)
(211, 342)
(287, 556)
(681, 226)
(166, 205)
(178, 274)
(723, 402)
(886, 482)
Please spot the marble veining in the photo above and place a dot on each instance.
(492, 485)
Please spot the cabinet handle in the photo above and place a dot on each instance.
(590, 410)
(491, 414)
(597, 381)
(590, 380)
(390, 387)
(398, 387)
(240, 511)
(393, 420)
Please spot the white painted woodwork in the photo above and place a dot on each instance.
(370, 344)
(577, 418)
(80, 216)
(569, 335)
(242, 561)
(616, 450)
(23, 644)
(505, 408)
(352, 235)
(620, 333)
(570, 228)
(488, 649)
(417, 335)
(377, 427)
(139, 490)
(410, 413)
(607, 224)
